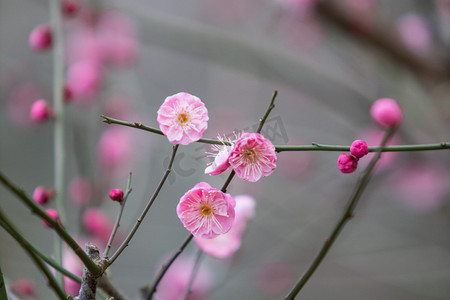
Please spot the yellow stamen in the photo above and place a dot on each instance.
(206, 210)
(183, 118)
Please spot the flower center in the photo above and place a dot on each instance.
(182, 118)
(206, 209)
(250, 155)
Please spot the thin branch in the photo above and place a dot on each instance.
(165, 267)
(347, 215)
(10, 228)
(193, 275)
(119, 216)
(383, 38)
(283, 148)
(341, 148)
(59, 140)
(147, 207)
(3, 294)
(59, 229)
(266, 115)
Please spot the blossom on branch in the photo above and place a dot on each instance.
(205, 211)
(183, 118)
(252, 157)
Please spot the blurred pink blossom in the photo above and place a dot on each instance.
(227, 244)
(414, 32)
(41, 37)
(183, 118)
(80, 191)
(295, 165)
(421, 187)
(253, 157)
(114, 148)
(43, 195)
(53, 213)
(72, 264)
(24, 287)
(174, 284)
(85, 78)
(98, 224)
(274, 277)
(206, 211)
(20, 100)
(70, 7)
(41, 111)
(386, 112)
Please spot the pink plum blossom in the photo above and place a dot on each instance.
(72, 264)
(421, 187)
(227, 244)
(175, 282)
(24, 287)
(205, 211)
(252, 157)
(20, 99)
(114, 148)
(42, 195)
(85, 78)
(53, 213)
(183, 118)
(41, 38)
(80, 191)
(41, 111)
(359, 148)
(386, 112)
(98, 224)
(221, 154)
(414, 32)
(347, 163)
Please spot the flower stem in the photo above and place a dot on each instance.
(339, 148)
(10, 228)
(166, 266)
(147, 207)
(2, 286)
(347, 215)
(35, 209)
(269, 109)
(193, 274)
(59, 122)
(283, 148)
(119, 216)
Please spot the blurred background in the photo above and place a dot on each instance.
(328, 60)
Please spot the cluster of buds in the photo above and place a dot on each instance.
(348, 162)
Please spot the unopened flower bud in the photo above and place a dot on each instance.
(42, 195)
(41, 38)
(359, 148)
(386, 112)
(70, 7)
(53, 214)
(40, 111)
(116, 195)
(347, 163)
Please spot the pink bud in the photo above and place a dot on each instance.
(41, 38)
(24, 288)
(42, 195)
(53, 214)
(70, 7)
(68, 93)
(40, 111)
(386, 112)
(116, 195)
(359, 148)
(347, 163)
